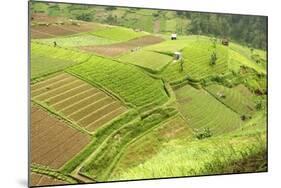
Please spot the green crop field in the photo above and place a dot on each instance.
(118, 34)
(233, 98)
(202, 110)
(43, 63)
(147, 59)
(197, 56)
(83, 39)
(126, 81)
(112, 100)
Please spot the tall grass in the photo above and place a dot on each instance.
(210, 156)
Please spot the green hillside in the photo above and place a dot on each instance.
(112, 75)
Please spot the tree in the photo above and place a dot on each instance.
(213, 58)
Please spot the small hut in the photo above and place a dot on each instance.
(225, 42)
(173, 36)
(177, 56)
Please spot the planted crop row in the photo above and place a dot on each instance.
(100, 165)
(126, 81)
(202, 110)
(46, 59)
(231, 97)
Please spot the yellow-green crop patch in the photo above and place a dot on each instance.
(202, 110)
(233, 98)
(126, 81)
(147, 59)
(224, 154)
(118, 34)
(197, 61)
(46, 59)
(83, 39)
(242, 60)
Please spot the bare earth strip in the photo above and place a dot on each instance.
(114, 50)
(77, 100)
(53, 30)
(53, 142)
(41, 180)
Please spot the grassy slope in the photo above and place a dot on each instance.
(102, 163)
(46, 59)
(126, 81)
(147, 59)
(223, 154)
(149, 145)
(202, 110)
(197, 55)
(236, 100)
(118, 34)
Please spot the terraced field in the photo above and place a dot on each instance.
(151, 60)
(77, 100)
(43, 64)
(150, 144)
(234, 99)
(84, 39)
(111, 103)
(118, 34)
(55, 30)
(202, 110)
(126, 81)
(53, 142)
(197, 56)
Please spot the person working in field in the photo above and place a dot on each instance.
(55, 44)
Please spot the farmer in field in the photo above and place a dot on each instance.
(55, 44)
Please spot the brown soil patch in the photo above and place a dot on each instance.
(41, 180)
(53, 142)
(44, 18)
(44, 26)
(77, 100)
(54, 30)
(114, 50)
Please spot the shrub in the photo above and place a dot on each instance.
(206, 133)
(85, 17)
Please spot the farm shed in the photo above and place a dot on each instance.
(173, 36)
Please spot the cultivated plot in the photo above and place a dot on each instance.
(77, 100)
(123, 47)
(202, 110)
(128, 82)
(53, 142)
(151, 60)
(42, 63)
(41, 180)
